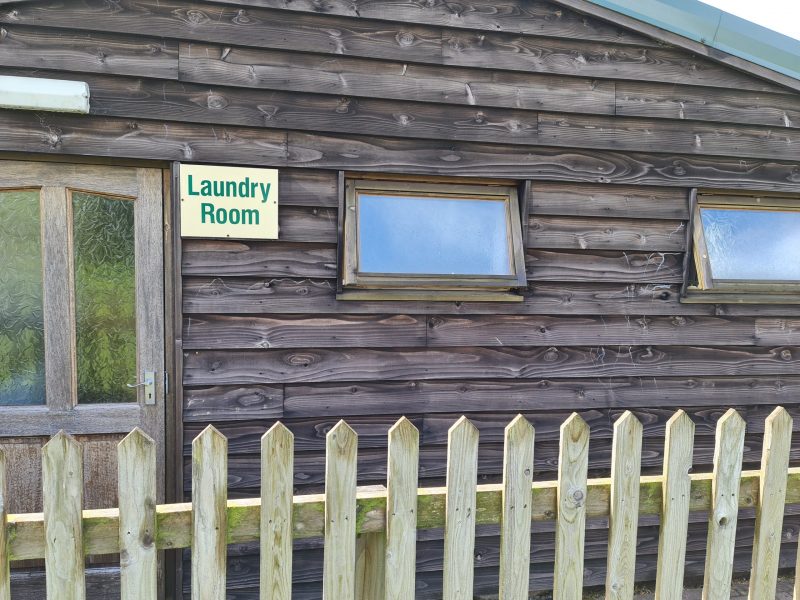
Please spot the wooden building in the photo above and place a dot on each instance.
(603, 137)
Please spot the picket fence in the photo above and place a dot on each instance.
(386, 520)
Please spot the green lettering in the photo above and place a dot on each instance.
(250, 216)
(207, 209)
(191, 188)
(205, 188)
(230, 189)
(265, 191)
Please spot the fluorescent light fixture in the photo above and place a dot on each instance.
(34, 93)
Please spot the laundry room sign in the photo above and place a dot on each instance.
(229, 202)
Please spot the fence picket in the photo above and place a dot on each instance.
(515, 524)
(769, 512)
(401, 510)
(136, 459)
(459, 529)
(339, 561)
(573, 464)
(62, 495)
(675, 496)
(371, 566)
(728, 449)
(277, 490)
(209, 514)
(5, 567)
(626, 461)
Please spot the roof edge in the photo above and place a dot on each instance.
(706, 31)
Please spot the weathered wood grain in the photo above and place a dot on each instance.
(213, 404)
(300, 187)
(539, 18)
(725, 506)
(540, 163)
(770, 509)
(686, 102)
(179, 101)
(624, 508)
(515, 536)
(326, 400)
(522, 330)
(541, 55)
(340, 513)
(401, 510)
(351, 76)
(603, 266)
(62, 486)
(605, 234)
(44, 48)
(277, 468)
(62, 134)
(209, 517)
(586, 200)
(363, 364)
(136, 459)
(249, 27)
(207, 257)
(672, 536)
(571, 509)
(225, 331)
(459, 529)
(69, 134)
(688, 137)
(370, 575)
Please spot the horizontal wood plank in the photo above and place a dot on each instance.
(538, 18)
(352, 76)
(334, 331)
(472, 396)
(239, 367)
(605, 234)
(685, 102)
(687, 137)
(214, 404)
(630, 202)
(207, 257)
(541, 55)
(636, 267)
(42, 48)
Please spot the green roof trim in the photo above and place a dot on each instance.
(716, 28)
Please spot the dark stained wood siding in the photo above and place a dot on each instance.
(611, 128)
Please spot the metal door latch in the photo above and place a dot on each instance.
(149, 384)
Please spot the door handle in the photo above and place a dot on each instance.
(149, 385)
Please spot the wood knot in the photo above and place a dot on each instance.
(196, 17)
(551, 355)
(406, 38)
(242, 18)
(344, 105)
(216, 102)
(403, 119)
(786, 354)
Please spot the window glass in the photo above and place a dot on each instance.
(756, 245)
(21, 314)
(105, 298)
(433, 236)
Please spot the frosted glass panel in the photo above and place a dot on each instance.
(21, 317)
(105, 298)
(760, 245)
(432, 236)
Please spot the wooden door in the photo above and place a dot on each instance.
(81, 317)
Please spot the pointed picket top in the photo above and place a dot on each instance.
(5, 572)
(731, 422)
(779, 419)
(60, 445)
(462, 428)
(575, 429)
(403, 428)
(680, 423)
(136, 438)
(627, 425)
(519, 428)
(209, 435)
(278, 434)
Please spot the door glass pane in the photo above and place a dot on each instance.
(432, 236)
(105, 297)
(752, 245)
(21, 315)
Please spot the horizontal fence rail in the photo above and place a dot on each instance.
(370, 534)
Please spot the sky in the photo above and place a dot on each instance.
(779, 15)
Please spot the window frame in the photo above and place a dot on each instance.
(433, 286)
(709, 289)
